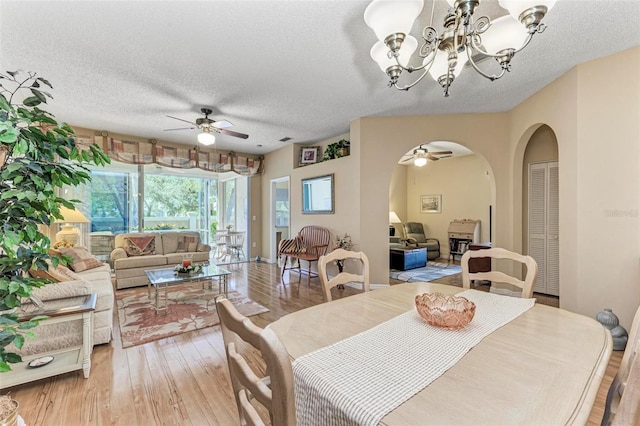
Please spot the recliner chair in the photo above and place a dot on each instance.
(414, 236)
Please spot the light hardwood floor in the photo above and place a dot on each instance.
(182, 380)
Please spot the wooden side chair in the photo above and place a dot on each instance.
(622, 406)
(310, 243)
(274, 389)
(343, 277)
(496, 276)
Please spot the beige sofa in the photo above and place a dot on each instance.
(134, 253)
(54, 336)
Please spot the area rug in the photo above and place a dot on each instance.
(190, 308)
(431, 272)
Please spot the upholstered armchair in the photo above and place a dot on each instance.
(414, 236)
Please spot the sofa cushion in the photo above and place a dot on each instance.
(176, 258)
(62, 290)
(140, 245)
(58, 274)
(140, 261)
(81, 259)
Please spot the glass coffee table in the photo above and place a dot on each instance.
(165, 277)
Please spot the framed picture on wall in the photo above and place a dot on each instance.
(309, 155)
(431, 203)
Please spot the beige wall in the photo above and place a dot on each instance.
(465, 184)
(346, 170)
(398, 196)
(542, 147)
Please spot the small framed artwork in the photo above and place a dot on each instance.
(309, 155)
(431, 204)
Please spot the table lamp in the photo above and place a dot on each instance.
(69, 232)
(393, 218)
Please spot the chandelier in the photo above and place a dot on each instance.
(465, 38)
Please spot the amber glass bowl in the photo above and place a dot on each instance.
(446, 311)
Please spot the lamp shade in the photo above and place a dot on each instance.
(206, 138)
(379, 53)
(441, 65)
(516, 7)
(71, 216)
(386, 17)
(420, 161)
(393, 218)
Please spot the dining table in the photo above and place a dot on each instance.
(541, 366)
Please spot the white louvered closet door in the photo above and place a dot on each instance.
(544, 225)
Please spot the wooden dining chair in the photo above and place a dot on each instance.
(496, 276)
(273, 388)
(622, 406)
(342, 278)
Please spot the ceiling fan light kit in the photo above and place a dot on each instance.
(421, 156)
(465, 38)
(206, 138)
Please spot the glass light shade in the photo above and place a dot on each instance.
(440, 65)
(516, 7)
(206, 138)
(504, 33)
(392, 16)
(379, 53)
(393, 218)
(451, 2)
(420, 161)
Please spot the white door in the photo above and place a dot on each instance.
(280, 214)
(544, 225)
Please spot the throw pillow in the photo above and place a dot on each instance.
(81, 259)
(185, 243)
(292, 245)
(59, 274)
(140, 246)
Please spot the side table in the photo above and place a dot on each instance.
(66, 359)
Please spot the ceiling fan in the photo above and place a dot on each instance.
(209, 127)
(421, 154)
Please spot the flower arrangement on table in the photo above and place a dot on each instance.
(191, 269)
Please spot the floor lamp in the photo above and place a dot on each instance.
(68, 231)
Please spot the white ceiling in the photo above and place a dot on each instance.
(299, 69)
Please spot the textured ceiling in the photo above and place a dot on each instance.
(299, 69)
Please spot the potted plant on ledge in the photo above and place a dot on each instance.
(38, 156)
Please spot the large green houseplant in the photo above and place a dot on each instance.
(38, 155)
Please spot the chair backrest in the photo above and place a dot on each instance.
(496, 276)
(236, 239)
(414, 230)
(621, 406)
(274, 390)
(343, 277)
(315, 239)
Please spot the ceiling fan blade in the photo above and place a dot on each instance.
(432, 157)
(232, 133)
(222, 124)
(441, 153)
(180, 128)
(407, 161)
(176, 118)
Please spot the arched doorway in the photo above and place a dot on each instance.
(463, 182)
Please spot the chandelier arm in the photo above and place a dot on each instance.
(418, 80)
(421, 67)
(482, 73)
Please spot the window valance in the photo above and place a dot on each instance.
(175, 156)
